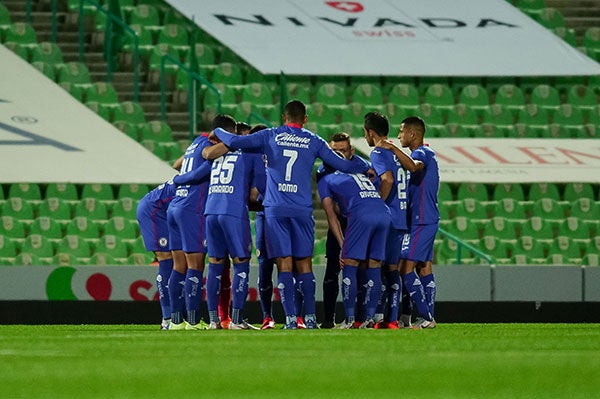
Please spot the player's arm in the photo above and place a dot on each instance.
(178, 162)
(332, 219)
(195, 176)
(215, 151)
(407, 162)
(355, 165)
(251, 142)
(387, 182)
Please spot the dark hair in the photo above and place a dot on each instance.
(241, 126)
(377, 122)
(326, 168)
(295, 111)
(258, 128)
(340, 136)
(225, 122)
(415, 122)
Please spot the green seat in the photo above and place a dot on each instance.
(26, 259)
(500, 117)
(471, 208)
(5, 20)
(543, 190)
(64, 191)
(463, 115)
(545, 96)
(155, 148)
(511, 97)
(132, 130)
(354, 113)
(493, 83)
(535, 118)
(45, 68)
(47, 52)
(12, 227)
(145, 43)
(367, 94)
(18, 208)
(228, 73)
(38, 245)
(509, 208)
(574, 191)
(101, 110)
(74, 245)
(591, 42)
(65, 259)
(445, 192)
(465, 229)
(590, 260)
(19, 49)
(495, 248)
(55, 208)
(140, 259)
(133, 190)
(582, 97)
(539, 229)
(477, 191)
(226, 54)
(577, 230)
(431, 114)
(103, 93)
(47, 227)
(502, 228)
(91, 208)
(176, 36)
(254, 76)
(508, 190)
(154, 61)
(548, 209)
(321, 113)
(566, 246)
(120, 227)
(129, 111)
(21, 33)
(8, 249)
(73, 90)
(98, 191)
(156, 130)
(112, 245)
(551, 18)
(439, 96)
(145, 15)
(559, 259)
(567, 34)
(331, 94)
(299, 91)
(585, 209)
(476, 97)
(424, 82)
(76, 73)
(82, 227)
(529, 247)
(569, 118)
(257, 93)
(458, 83)
(27, 191)
(405, 96)
(103, 259)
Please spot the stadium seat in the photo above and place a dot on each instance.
(502, 228)
(227, 55)
(47, 227)
(37, 245)
(140, 259)
(495, 248)
(464, 116)
(121, 228)
(529, 247)
(145, 15)
(511, 97)
(573, 191)
(155, 61)
(508, 190)
(405, 96)
(18, 208)
(477, 191)
(64, 191)
(55, 208)
(11, 227)
(472, 209)
(591, 42)
(21, 33)
(257, 93)
(576, 230)
(100, 110)
(134, 191)
(103, 93)
(509, 208)
(205, 54)
(535, 118)
(539, 229)
(439, 96)
(490, 130)
(130, 112)
(156, 130)
(548, 209)
(321, 113)
(367, 94)
(228, 73)
(91, 208)
(73, 90)
(130, 130)
(65, 259)
(76, 246)
(19, 49)
(432, 115)
(45, 68)
(8, 249)
(27, 259)
(155, 148)
(585, 209)
(5, 20)
(103, 259)
(299, 91)
(26, 191)
(83, 227)
(567, 34)
(476, 97)
(445, 192)
(582, 97)
(353, 113)
(47, 52)
(545, 96)
(569, 118)
(75, 73)
(465, 229)
(113, 246)
(566, 246)
(499, 116)
(449, 252)
(590, 260)
(99, 191)
(145, 43)
(551, 18)
(330, 94)
(176, 36)
(543, 190)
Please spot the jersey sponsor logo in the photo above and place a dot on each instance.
(287, 188)
(290, 140)
(221, 189)
(181, 192)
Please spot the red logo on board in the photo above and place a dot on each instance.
(347, 6)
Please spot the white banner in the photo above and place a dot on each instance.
(513, 160)
(387, 37)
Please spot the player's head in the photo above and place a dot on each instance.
(225, 122)
(340, 142)
(295, 112)
(412, 131)
(258, 128)
(376, 127)
(242, 128)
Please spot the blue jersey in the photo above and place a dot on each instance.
(423, 188)
(152, 217)
(291, 152)
(384, 160)
(161, 196)
(229, 186)
(192, 196)
(259, 172)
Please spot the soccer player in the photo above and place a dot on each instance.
(364, 238)
(393, 191)
(423, 216)
(291, 152)
(152, 217)
(187, 229)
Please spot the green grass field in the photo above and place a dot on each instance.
(452, 361)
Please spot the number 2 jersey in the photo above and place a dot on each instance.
(384, 160)
(423, 188)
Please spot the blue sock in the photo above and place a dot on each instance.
(373, 293)
(382, 303)
(265, 285)
(361, 280)
(298, 297)
(193, 294)
(213, 286)
(285, 285)
(394, 292)
(165, 267)
(428, 282)
(176, 296)
(240, 290)
(349, 291)
(413, 286)
(308, 288)
(406, 303)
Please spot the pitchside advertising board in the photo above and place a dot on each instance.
(387, 37)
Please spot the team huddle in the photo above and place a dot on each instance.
(382, 216)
